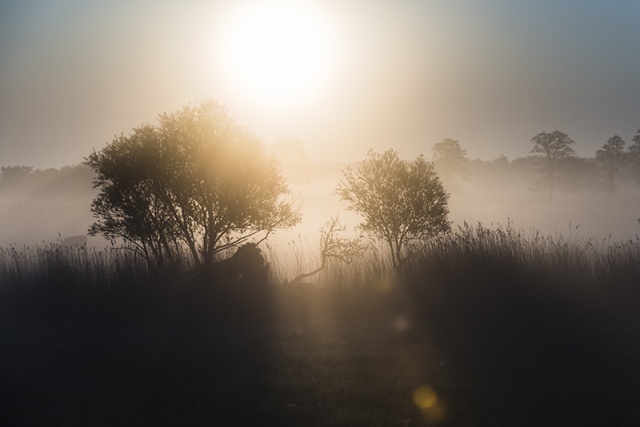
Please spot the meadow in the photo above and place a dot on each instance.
(484, 326)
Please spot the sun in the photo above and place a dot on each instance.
(278, 54)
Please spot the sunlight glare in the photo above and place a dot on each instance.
(278, 53)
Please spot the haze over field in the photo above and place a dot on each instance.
(494, 194)
(341, 77)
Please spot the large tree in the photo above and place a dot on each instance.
(401, 201)
(611, 157)
(553, 147)
(197, 181)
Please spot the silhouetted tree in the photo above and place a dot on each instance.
(553, 147)
(611, 157)
(634, 155)
(401, 202)
(450, 160)
(197, 180)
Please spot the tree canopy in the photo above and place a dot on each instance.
(197, 181)
(400, 201)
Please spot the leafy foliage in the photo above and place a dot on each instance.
(197, 182)
(401, 202)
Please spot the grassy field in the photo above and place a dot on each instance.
(484, 327)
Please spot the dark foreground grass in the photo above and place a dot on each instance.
(485, 328)
(168, 366)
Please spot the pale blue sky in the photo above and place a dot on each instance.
(490, 73)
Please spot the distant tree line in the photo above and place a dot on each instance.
(558, 167)
(553, 162)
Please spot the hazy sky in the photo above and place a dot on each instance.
(402, 74)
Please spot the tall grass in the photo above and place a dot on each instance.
(469, 255)
(563, 259)
(506, 326)
(52, 266)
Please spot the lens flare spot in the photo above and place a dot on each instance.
(425, 397)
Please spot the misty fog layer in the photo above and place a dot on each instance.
(44, 206)
(40, 207)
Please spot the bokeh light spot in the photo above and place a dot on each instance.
(425, 397)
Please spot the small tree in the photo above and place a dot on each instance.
(450, 160)
(553, 147)
(611, 156)
(401, 202)
(197, 181)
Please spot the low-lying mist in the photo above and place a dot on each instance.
(498, 192)
(42, 207)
